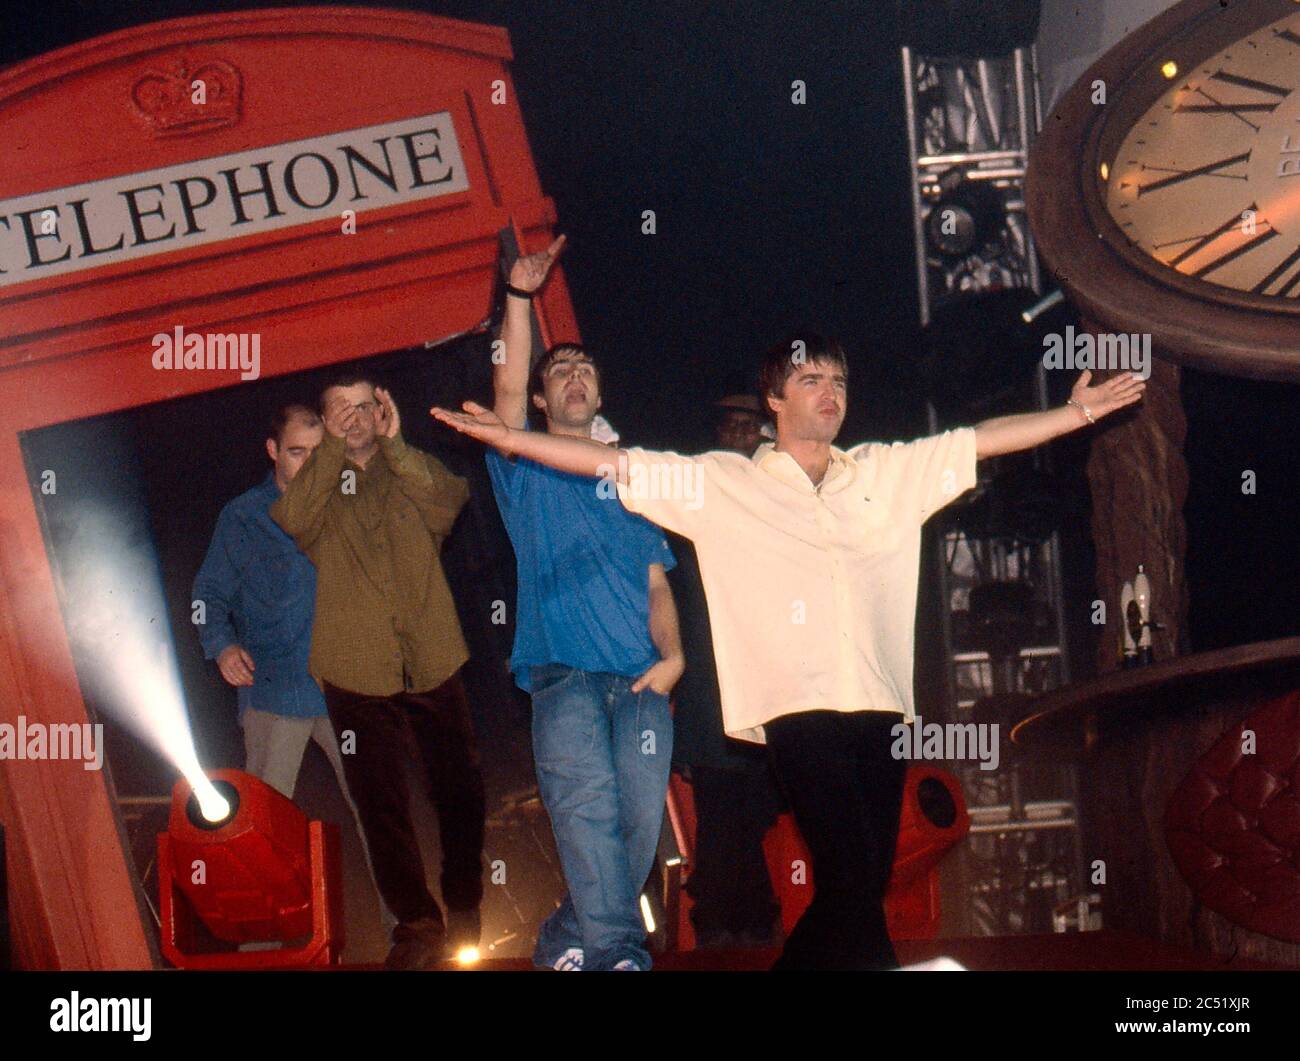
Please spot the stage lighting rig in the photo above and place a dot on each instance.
(243, 862)
(967, 215)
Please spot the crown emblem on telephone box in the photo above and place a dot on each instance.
(183, 97)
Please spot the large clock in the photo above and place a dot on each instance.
(1164, 189)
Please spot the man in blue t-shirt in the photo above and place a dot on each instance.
(597, 646)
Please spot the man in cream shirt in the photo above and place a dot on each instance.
(809, 556)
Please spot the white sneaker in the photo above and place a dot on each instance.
(569, 962)
(627, 965)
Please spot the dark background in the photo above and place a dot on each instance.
(773, 216)
(770, 217)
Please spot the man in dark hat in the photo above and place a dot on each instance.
(741, 425)
(736, 798)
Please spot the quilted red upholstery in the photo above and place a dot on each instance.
(1233, 824)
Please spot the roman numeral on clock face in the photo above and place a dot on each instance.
(1232, 253)
(1289, 285)
(1224, 134)
(1187, 174)
(1236, 109)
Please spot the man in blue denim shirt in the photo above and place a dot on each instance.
(596, 643)
(259, 593)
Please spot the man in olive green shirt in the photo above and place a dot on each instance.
(371, 513)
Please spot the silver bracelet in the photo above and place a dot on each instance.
(1082, 408)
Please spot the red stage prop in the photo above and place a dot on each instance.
(265, 873)
(932, 821)
(342, 192)
(1233, 825)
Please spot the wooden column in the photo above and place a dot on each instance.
(1139, 483)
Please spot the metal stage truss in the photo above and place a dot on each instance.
(970, 125)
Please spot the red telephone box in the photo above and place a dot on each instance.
(331, 180)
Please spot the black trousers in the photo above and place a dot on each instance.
(846, 792)
(730, 882)
(382, 726)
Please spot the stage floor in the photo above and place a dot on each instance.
(1104, 951)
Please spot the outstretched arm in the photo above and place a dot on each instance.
(566, 453)
(510, 377)
(678, 510)
(1011, 434)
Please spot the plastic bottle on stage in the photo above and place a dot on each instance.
(1127, 646)
(1142, 594)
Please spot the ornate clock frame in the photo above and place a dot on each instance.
(1114, 283)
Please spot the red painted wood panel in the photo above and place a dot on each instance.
(78, 345)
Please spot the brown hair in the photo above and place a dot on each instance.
(287, 413)
(779, 362)
(346, 378)
(536, 381)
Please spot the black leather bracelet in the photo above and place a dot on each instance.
(518, 292)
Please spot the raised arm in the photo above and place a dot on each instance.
(565, 453)
(432, 488)
(300, 511)
(510, 376)
(1010, 434)
(423, 479)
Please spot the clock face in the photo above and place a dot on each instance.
(1205, 182)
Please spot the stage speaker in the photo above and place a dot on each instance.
(968, 29)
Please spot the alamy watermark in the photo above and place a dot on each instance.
(953, 741)
(1106, 350)
(681, 480)
(214, 351)
(62, 740)
(77, 1014)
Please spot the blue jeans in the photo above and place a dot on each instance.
(603, 754)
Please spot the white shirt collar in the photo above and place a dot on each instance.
(784, 467)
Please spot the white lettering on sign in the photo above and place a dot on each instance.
(215, 199)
